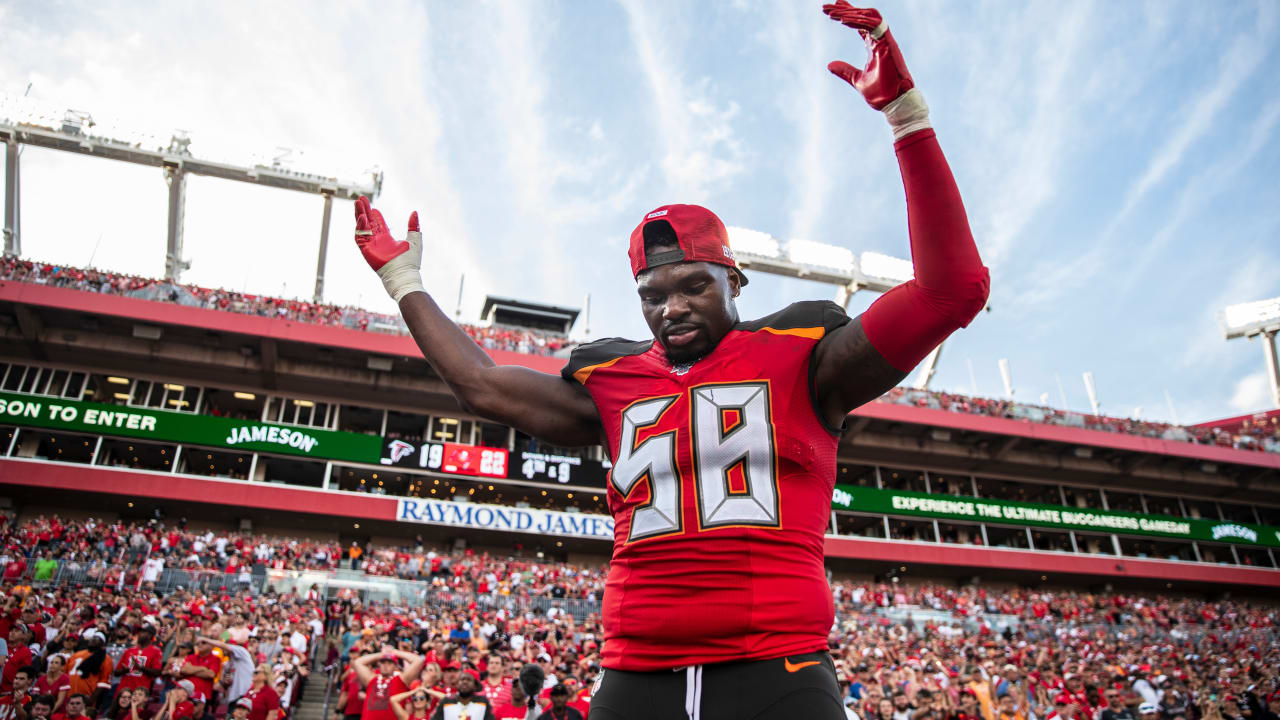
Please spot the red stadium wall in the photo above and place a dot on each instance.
(136, 484)
(165, 486)
(162, 313)
(1063, 434)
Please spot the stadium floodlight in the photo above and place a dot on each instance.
(847, 270)
(806, 252)
(890, 269)
(819, 262)
(27, 121)
(753, 242)
(1257, 319)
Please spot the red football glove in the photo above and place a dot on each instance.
(398, 263)
(885, 78)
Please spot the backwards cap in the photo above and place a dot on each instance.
(699, 233)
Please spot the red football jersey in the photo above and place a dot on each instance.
(720, 493)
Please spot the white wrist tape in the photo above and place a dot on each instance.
(907, 114)
(403, 273)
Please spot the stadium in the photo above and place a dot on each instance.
(292, 478)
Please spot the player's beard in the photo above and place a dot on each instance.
(685, 356)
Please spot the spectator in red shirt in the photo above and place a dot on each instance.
(381, 686)
(201, 668)
(264, 702)
(177, 704)
(12, 702)
(19, 655)
(495, 686)
(517, 706)
(14, 571)
(351, 699)
(140, 664)
(55, 682)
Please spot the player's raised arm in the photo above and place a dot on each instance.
(865, 358)
(542, 405)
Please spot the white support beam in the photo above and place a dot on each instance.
(12, 197)
(928, 368)
(106, 148)
(324, 246)
(1273, 367)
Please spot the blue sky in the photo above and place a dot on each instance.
(1118, 160)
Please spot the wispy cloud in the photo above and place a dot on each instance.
(1203, 186)
(1018, 97)
(797, 41)
(700, 150)
(1203, 110)
(341, 92)
(1251, 393)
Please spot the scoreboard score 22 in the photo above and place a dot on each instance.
(446, 458)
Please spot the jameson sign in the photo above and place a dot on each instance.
(178, 427)
(501, 517)
(950, 507)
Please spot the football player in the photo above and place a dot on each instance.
(722, 432)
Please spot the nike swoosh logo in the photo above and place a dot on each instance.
(793, 667)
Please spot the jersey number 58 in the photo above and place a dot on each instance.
(732, 444)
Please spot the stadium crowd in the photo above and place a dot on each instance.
(136, 554)
(1263, 435)
(100, 281)
(120, 646)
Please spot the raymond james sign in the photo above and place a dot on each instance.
(178, 427)
(959, 507)
(501, 517)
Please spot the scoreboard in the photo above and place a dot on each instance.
(486, 462)
(450, 458)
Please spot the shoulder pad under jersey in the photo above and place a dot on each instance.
(586, 357)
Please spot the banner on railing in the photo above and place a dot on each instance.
(179, 427)
(501, 517)
(1007, 512)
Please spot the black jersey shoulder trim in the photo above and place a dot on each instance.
(586, 358)
(818, 316)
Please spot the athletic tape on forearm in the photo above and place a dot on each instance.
(907, 114)
(402, 274)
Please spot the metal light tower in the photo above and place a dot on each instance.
(22, 121)
(848, 271)
(1257, 319)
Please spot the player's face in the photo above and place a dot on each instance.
(688, 306)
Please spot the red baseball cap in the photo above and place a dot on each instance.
(699, 233)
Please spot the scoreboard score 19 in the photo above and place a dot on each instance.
(447, 458)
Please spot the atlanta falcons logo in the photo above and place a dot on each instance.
(399, 450)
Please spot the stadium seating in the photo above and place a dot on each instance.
(90, 280)
(889, 638)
